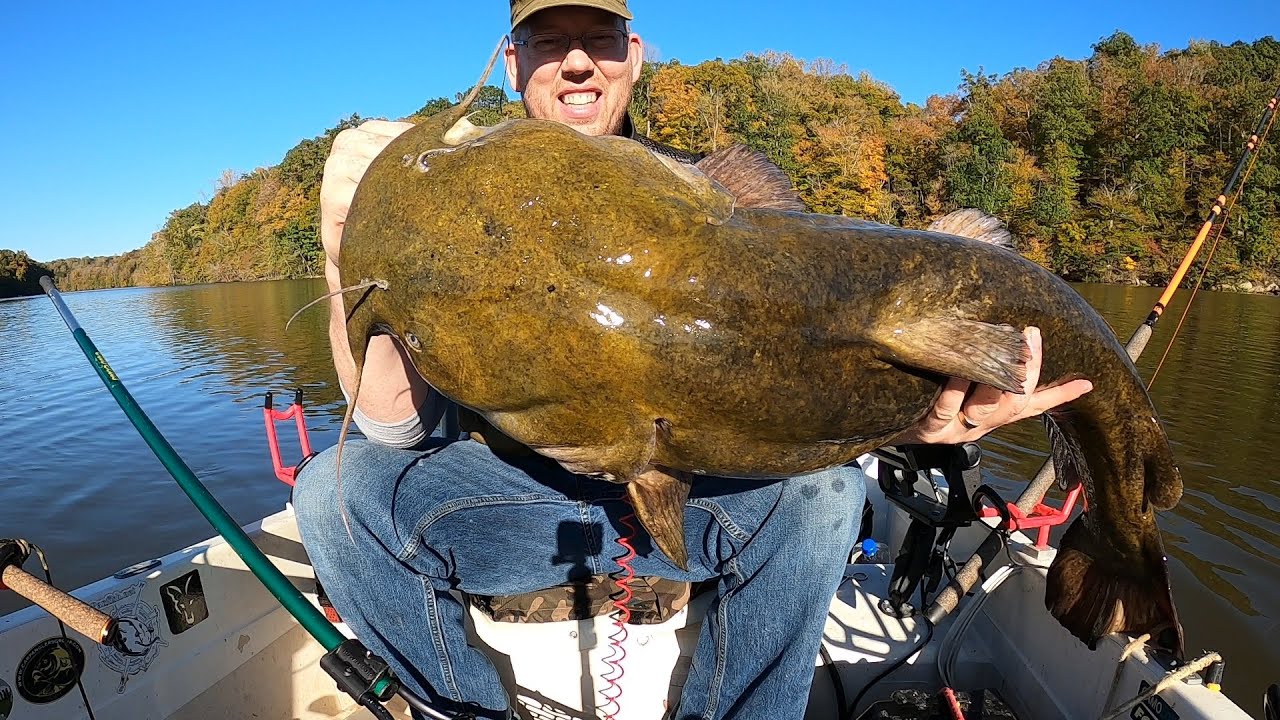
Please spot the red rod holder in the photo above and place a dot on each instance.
(1043, 517)
(271, 416)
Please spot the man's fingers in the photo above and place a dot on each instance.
(367, 140)
(948, 403)
(982, 404)
(1035, 345)
(347, 166)
(337, 190)
(388, 128)
(1049, 398)
(353, 150)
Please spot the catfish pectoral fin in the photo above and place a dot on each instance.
(1093, 595)
(658, 497)
(994, 355)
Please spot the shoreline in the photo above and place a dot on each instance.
(1245, 287)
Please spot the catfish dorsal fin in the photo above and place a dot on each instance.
(752, 179)
(975, 225)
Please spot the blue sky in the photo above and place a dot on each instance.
(114, 114)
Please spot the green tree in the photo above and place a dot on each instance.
(978, 154)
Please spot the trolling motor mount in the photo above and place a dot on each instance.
(924, 548)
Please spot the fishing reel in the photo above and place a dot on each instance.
(906, 476)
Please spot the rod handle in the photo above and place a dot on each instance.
(79, 616)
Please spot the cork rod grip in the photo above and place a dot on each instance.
(90, 622)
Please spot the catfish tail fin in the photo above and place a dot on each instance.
(1111, 576)
(1093, 594)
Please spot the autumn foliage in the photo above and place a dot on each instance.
(1103, 167)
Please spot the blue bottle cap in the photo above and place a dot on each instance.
(869, 547)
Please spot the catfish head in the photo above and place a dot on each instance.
(440, 133)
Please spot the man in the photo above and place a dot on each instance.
(429, 516)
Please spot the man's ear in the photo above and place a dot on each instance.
(513, 72)
(635, 48)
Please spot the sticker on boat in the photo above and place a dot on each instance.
(140, 625)
(1153, 708)
(184, 603)
(49, 670)
(6, 700)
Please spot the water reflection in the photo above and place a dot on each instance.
(77, 477)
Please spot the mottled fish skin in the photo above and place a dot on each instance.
(626, 318)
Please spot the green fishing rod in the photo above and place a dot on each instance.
(358, 672)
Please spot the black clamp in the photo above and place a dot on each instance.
(269, 401)
(359, 673)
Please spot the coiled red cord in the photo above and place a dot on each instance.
(952, 703)
(612, 692)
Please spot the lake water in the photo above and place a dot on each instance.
(76, 478)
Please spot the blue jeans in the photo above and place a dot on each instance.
(454, 516)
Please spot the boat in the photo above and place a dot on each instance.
(208, 641)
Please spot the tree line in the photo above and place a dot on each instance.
(1103, 167)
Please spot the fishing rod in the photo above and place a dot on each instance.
(1138, 341)
(73, 612)
(970, 574)
(358, 672)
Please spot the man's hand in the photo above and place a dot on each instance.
(955, 419)
(353, 150)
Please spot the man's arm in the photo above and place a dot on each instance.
(391, 389)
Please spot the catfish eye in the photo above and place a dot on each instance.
(412, 341)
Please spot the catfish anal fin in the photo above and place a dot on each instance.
(658, 497)
(994, 355)
(752, 179)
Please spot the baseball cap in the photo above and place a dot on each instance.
(522, 9)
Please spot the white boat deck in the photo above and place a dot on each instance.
(249, 658)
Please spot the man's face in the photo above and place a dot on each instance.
(589, 87)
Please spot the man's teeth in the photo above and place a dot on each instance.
(580, 98)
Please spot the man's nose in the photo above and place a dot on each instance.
(577, 61)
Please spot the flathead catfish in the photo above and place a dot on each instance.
(623, 314)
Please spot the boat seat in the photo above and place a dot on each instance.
(654, 601)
